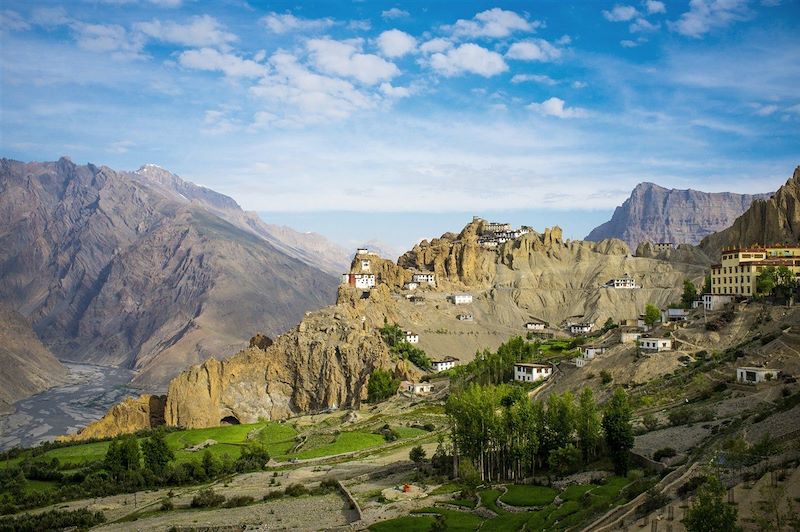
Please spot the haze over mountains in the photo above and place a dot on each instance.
(144, 270)
(657, 214)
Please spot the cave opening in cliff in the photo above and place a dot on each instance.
(229, 420)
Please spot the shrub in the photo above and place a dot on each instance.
(239, 500)
(417, 454)
(296, 490)
(605, 377)
(167, 504)
(680, 415)
(381, 386)
(650, 421)
(666, 452)
(207, 498)
(277, 494)
(53, 520)
(653, 501)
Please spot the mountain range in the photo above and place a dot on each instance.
(146, 271)
(657, 214)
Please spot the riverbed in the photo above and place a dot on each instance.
(89, 392)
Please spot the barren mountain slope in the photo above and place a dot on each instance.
(112, 270)
(656, 214)
(28, 367)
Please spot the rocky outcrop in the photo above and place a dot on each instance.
(768, 221)
(325, 362)
(260, 341)
(142, 270)
(131, 415)
(680, 253)
(656, 214)
(28, 367)
(457, 260)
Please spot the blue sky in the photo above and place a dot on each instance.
(399, 120)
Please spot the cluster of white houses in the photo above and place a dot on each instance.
(495, 233)
(624, 282)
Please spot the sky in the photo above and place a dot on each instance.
(396, 121)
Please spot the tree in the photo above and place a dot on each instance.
(417, 454)
(123, 456)
(651, 315)
(565, 460)
(588, 425)
(707, 284)
(211, 465)
(709, 513)
(650, 421)
(254, 457)
(608, 325)
(766, 281)
(157, 454)
(381, 386)
(619, 431)
(689, 294)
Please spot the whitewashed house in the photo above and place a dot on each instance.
(629, 337)
(419, 388)
(496, 227)
(424, 277)
(411, 286)
(362, 251)
(580, 361)
(662, 246)
(580, 328)
(412, 338)
(465, 317)
(747, 375)
(359, 280)
(444, 364)
(461, 299)
(655, 344)
(716, 301)
(525, 372)
(536, 325)
(591, 351)
(625, 282)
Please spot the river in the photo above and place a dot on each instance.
(88, 394)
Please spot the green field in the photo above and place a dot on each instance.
(524, 495)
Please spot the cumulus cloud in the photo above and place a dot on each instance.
(213, 60)
(533, 50)
(654, 6)
(107, 38)
(295, 95)
(393, 13)
(556, 107)
(536, 78)
(394, 92)
(642, 25)
(286, 22)
(435, 45)
(494, 23)
(359, 25)
(621, 13)
(345, 59)
(396, 43)
(705, 15)
(468, 58)
(199, 31)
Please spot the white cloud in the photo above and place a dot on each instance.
(344, 58)
(294, 95)
(200, 31)
(533, 50)
(286, 22)
(642, 25)
(359, 25)
(794, 109)
(435, 45)
(579, 85)
(765, 110)
(495, 23)
(394, 92)
(555, 107)
(537, 78)
(621, 13)
(396, 43)
(706, 15)
(121, 146)
(210, 59)
(50, 16)
(393, 13)
(654, 6)
(468, 58)
(564, 40)
(108, 38)
(218, 123)
(11, 20)
(627, 43)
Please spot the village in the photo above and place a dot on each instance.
(650, 333)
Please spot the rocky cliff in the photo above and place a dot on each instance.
(326, 360)
(28, 367)
(775, 220)
(656, 214)
(142, 270)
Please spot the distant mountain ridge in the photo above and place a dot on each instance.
(656, 214)
(775, 220)
(145, 270)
